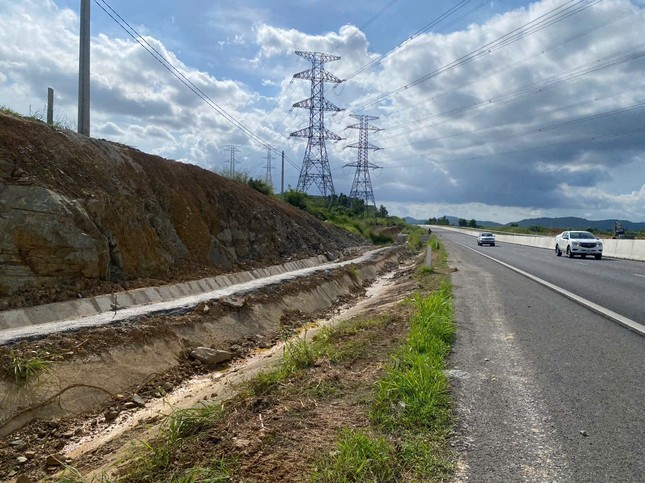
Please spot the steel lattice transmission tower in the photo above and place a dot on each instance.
(362, 184)
(268, 178)
(315, 165)
(231, 162)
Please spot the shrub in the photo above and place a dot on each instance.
(296, 198)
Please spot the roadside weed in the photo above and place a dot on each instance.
(23, 369)
(411, 412)
(425, 270)
(186, 422)
(358, 457)
(415, 391)
(219, 471)
(299, 354)
(154, 458)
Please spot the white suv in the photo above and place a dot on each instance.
(581, 243)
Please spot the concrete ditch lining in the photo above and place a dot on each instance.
(125, 363)
(111, 308)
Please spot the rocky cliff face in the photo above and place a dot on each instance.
(76, 209)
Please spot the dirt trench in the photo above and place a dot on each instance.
(95, 374)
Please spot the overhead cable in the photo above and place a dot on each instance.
(159, 57)
(552, 17)
(627, 55)
(410, 39)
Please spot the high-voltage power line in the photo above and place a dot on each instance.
(315, 165)
(362, 184)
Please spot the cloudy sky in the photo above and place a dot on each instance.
(493, 110)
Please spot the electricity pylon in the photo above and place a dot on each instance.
(231, 162)
(362, 184)
(315, 165)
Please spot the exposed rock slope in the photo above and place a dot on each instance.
(75, 209)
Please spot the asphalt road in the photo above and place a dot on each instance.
(545, 389)
(618, 285)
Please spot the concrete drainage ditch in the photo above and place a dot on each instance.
(100, 369)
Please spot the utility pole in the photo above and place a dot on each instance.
(315, 165)
(268, 178)
(50, 106)
(362, 184)
(282, 178)
(84, 71)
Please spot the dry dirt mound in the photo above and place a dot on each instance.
(82, 215)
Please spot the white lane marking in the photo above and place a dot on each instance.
(639, 275)
(610, 314)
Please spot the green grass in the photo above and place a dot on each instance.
(411, 413)
(219, 471)
(72, 475)
(332, 343)
(424, 270)
(25, 369)
(336, 343)
(358, 457)
(152, 460)
(414, 394)
(297, 355)
(9, 111)
(40, 116)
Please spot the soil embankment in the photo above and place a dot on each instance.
(81, 216)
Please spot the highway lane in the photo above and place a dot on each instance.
(545, 389)
(618, 285)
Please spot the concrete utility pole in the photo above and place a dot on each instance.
(50, 106)
(84, 71)
(282, 179)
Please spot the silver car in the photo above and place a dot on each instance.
(486, 239)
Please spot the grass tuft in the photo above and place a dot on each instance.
(219, 471)
(152, 460)
(358, 457)
(299, 354)
(24, 369)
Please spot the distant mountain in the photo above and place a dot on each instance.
(489, 224)
(413, 221)
(454, 220)
(574, 223)
(564, 223)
